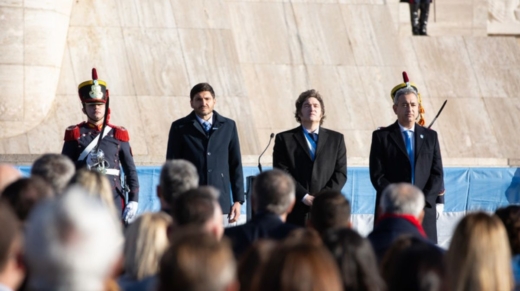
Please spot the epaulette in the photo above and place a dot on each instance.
(120, 133)
(72, 133)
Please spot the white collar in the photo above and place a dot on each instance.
(210, 120)
(403, 129)
(317, 131)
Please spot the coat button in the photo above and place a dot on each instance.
(209, 171)
(209, 154)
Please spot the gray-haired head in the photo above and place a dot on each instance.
(177, 176)
(402, 198)
(72, 243)
(274, 192)
(403, 92)
(56, 169)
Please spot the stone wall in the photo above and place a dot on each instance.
(259, 56)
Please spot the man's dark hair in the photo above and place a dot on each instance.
(303, 97)
(195, 207)
(201, 87)
(273, 191)
(9, 230)
(510, 216)
(177, 176)
(196, 261)
(56, 169)
(330, 210)
(25, 193)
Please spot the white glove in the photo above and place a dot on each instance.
(130, 212)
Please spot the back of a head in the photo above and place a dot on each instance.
(510, 217)
(355, 258)
(72, 243)
(303, 234)
(417, 265)
(146, 239)
(479, 257)
(273, 192)
(177, 176)
(330, 210)
(253, 261)
(24, 194)
(402, 198)
(300, 267)
(199, 208)
(198, 262)
(10, 231)
(95, 184)
(56, 169)
(8, 174)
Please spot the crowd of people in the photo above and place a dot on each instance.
(61, 231)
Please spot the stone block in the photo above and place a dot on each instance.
(156, 56)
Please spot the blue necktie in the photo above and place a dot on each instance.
(206, 126)
(408, 137)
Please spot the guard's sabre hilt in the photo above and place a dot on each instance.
(438, 113)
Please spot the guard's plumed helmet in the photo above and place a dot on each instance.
(410, 85)
(93, 91)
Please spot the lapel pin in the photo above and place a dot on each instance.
(422, 136)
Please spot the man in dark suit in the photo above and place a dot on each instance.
(273, 198)
(408, 152)
(210, 141)
(314, 156)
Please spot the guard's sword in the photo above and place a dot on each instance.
(438, 113)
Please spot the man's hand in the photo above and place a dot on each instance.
(308, 200)
(234, 213)
(130, 212)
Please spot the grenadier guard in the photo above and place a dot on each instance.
(108, 155)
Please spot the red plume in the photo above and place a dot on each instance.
(94, 74)
(405, 77)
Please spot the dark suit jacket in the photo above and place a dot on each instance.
(216, 155)
(387, 231)
(327, 171)
(389, 163)
(262, 226)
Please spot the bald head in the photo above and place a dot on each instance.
(8, 174)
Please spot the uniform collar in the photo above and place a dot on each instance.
(92, 125)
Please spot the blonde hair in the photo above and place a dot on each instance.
(96, 184)
(479, 257)
(146, 240)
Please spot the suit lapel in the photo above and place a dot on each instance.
(300, 138)
(217, 122)
(322, 139)
(419, 139)
(397, 137)
(195, 122)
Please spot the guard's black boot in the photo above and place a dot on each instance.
(423, 19)
(414, 18)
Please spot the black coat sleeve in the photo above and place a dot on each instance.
(236, 174)
(435, 183)
(339, 177)
(282, 161)
(376, 168)
(127, 162)
(173, 149)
